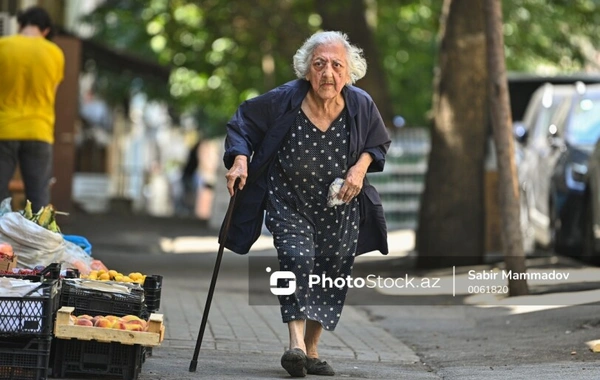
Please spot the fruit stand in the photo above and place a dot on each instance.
(70, 318)
(107, 330)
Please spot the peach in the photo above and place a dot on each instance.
(104, 323)
(119, 325)
(95, 319)
(133, 327)
(139, 322)
(112, 318)
(84, 322)
(72, 319)
(85, 316)
(130, 317)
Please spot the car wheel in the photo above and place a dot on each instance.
(526, 227)
(589, 253)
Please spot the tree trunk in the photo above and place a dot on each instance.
(451, 219)
(350, 18)
(508, 190)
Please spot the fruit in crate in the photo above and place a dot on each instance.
(133, 327)
(119, 325)
(128, 322)
(113, 275)
(6, 250)
(104, 323)
(84, 322)
(135, 323)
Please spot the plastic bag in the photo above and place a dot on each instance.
(80, 241)
(34, 245)
(334, 189)
(6, 206)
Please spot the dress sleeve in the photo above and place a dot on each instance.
(246, 129)
(378, 140)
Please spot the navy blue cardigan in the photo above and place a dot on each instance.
(258, 128)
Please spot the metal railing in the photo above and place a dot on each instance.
(403, 179)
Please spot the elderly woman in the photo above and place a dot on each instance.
(284, 149)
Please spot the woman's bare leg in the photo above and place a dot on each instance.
(296, 329)
(311, 338)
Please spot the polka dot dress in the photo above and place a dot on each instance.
(312, 240)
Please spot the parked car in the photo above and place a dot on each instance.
(591, 214)
(561, 127)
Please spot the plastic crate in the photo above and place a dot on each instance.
(51, 272)
(32, 314)
(78, 357)
(24, 358)
(152, 292)
(95, 302)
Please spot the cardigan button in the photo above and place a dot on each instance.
(353, 154)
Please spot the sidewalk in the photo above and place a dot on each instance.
(414, 335)
(241, 340)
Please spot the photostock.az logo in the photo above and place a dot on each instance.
(282, 275)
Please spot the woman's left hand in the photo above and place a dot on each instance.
(355, 177)
(352, 184)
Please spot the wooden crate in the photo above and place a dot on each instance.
(153, 337)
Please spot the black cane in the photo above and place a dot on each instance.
(211, 290)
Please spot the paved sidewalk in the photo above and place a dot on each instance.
(236, 326)
(244, 341)
(241, 340)
(462, 337)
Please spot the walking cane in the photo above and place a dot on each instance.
(211, 290)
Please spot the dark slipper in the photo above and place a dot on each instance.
(314, 366)
(294, 362)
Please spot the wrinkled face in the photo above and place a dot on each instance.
(328, 70)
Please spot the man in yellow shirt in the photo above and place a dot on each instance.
(31, 69)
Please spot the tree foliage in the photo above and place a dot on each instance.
(222, 51)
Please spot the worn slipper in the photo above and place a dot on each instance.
(314, 366)
(294, 362)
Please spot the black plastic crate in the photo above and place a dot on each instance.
(95, 359)
(31, 314)
(96, 302)
(51, 272)
(24, 358)
(152, 292)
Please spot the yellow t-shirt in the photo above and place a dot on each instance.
(31, 69)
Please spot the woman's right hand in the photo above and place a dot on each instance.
(239, 169)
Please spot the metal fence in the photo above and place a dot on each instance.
(403, 179)
(400, 184)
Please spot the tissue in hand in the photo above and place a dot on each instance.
(334, 189)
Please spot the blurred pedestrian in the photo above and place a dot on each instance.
(286, 147)
(32, 67)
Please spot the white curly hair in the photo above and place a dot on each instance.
(357, 64)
